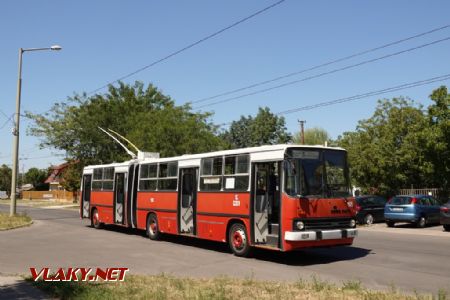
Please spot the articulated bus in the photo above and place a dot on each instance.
(281, 197)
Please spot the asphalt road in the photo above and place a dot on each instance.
(406, 258)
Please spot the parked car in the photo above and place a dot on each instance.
(3, 195)
(416, 209)
(445, 216)
(370, 209)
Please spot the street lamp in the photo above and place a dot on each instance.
(16, 125)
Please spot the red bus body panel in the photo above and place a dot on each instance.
(163, 204)
(215, 210)
(313, 208)
(103, 202)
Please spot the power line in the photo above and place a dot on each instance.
(324, 73)
(40, 157)
(7, 121)
(189, 46)
(365, 95)
(362, 96)
(320, 65)
(3, 113)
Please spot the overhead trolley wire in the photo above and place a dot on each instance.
(362, 96)
(189, 46)
(323, 74)
(321, 65)
(368, 94)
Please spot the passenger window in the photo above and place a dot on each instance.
(236, 177)
(103, 179)
(211, 174)
(167, 180)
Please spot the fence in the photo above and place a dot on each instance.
(429, 192)
(60, 195)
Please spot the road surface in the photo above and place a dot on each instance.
(381, 258)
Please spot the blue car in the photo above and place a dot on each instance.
(419, 210)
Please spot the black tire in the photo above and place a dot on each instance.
(422, 222)
(238, 240)
(95, 221)
(152, 228)
(368, 219)
(446, 227)
(390, 224)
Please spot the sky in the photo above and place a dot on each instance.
(105, 40)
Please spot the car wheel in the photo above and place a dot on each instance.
(390, 224)
(368, 219)
(422, 222)
(95, 221)
(238, 240)
(446, 227)
(152, 227)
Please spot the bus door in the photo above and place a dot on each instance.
(260, 203)
(187, 200)
(266, 200)
(119, 198)
(86, 195)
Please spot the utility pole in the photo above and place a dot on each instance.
(302, 130)
(15, 131)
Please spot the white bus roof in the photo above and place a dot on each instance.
(261, 153)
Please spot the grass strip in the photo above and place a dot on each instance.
(19, 220)
(171, 287)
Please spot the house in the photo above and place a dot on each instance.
(56, 177)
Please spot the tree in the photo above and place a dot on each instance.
(264, 129)
(72, 178)
(36, 176)
(5, 178)
(386, 152)
(438, 137)
(313, 136)
(145, 116)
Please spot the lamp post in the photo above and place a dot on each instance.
(15, 131)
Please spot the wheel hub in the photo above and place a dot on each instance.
(239, 239)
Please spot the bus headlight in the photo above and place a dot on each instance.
(299, 225)
(352, 223)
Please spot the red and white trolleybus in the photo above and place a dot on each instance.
(282, 197)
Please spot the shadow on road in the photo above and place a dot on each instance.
(21, 290)
(409, 225)
(306, 257)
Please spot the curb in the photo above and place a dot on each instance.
(20, 226)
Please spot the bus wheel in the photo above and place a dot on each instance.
(95, 221)
(238, 240)
(152, 227)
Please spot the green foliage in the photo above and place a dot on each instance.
(72, 177)
(145, 116)
(438, 133)
(35, 176)
(313, 136)
(5, 178)
(264, 129)
(401, 145)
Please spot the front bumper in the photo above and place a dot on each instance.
(320, 235)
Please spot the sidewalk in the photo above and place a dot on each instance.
(15, 287)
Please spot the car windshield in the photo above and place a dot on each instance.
(316, 173)
(401, 200)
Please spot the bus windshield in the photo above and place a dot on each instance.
(316, 173)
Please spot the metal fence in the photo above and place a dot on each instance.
(429, 192)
